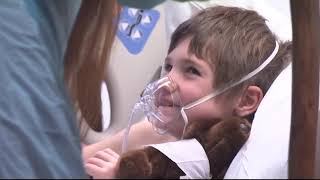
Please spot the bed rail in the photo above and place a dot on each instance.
(303, 151)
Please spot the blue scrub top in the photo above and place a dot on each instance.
(39, 137)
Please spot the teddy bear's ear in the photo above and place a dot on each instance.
(234, 130)
(196, 128)
(147, 163)
(134, 164)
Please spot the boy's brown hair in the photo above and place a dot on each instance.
(234, 41)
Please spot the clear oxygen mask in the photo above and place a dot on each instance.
(160, 103)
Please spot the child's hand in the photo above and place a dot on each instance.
(103, 165)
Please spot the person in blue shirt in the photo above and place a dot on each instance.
(47, 48)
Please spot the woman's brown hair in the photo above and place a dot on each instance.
(87, 55)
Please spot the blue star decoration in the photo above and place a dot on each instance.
(135, 27)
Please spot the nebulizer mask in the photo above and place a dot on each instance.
(162, 106)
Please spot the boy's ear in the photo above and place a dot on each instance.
(249, 101)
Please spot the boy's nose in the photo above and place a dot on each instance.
(172, 85)
(168, 94)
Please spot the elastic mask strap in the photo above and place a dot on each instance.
(185, 118)
(248, 76)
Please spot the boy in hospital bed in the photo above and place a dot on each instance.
(223, 61)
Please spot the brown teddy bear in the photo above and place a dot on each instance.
(221, 140)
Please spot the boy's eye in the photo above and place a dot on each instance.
(193, 71)
(167, 67)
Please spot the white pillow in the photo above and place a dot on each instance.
(265, 154)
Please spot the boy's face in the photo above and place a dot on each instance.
(194, 78)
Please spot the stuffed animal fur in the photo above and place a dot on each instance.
(221, 140)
